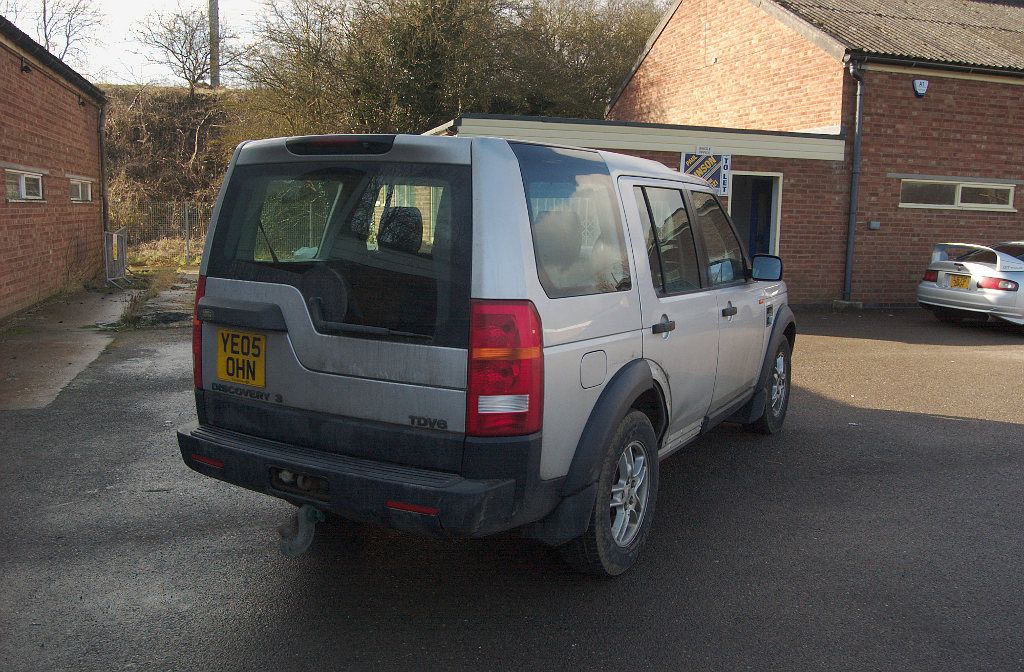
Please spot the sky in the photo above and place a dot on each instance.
(115, 56)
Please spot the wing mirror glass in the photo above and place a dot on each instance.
(766, 267)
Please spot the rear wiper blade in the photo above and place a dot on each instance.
(347, 328)
(327, 326)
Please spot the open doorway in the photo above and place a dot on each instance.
(755, 205)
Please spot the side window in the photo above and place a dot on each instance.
(674, 235)
(725, 256)
(577, 233)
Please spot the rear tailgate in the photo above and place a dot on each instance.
(336, 306)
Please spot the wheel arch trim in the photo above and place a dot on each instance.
(620, 393)
(784, 326)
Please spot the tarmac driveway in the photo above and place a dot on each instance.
(881, 530)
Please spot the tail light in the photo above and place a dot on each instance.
(197, 335)
(931, 276)
(998, 283)
(505, 391)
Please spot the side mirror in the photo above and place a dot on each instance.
(766, 267)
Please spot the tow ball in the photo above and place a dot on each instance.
(297, 535)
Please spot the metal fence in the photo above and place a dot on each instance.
(115, 255)
(169, 229)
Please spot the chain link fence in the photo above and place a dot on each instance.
(162, 232)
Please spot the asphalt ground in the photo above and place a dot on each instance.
(881, 530)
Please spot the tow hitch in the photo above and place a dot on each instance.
(297, 535)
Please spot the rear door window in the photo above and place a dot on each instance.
(378, 250)
(577, 232)
(669, 239)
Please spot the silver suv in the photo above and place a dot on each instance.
(458, 336)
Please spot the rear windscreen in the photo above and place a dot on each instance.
(378, 250)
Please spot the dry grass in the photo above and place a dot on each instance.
(149, 283)
(164, 253)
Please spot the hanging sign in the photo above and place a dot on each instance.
(714, 168)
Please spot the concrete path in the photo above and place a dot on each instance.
(173, 306)
(44, 348)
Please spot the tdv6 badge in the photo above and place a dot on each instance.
(428, 423)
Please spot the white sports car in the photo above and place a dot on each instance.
(967, 281)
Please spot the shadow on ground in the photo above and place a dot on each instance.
(906, 325)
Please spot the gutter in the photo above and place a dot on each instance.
(863, 58)
(856, 69)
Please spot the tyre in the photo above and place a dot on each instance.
(624, 507)
(776, 388)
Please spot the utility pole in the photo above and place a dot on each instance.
(214, 44)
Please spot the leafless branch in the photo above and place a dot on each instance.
(180, 40)
(64, 27)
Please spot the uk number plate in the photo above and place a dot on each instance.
(241, 357)
(959, 281)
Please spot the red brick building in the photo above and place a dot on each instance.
(774, 84)
(939, 163)
(51, 217)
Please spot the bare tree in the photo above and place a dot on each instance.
(65, 26)
(181, 40)
(10, 10)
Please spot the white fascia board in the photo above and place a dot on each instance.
(640, 138)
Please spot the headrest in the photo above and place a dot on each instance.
(401, 229)
(558, 237)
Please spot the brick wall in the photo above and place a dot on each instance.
(959, 128)
(727, 63)
(47, 246)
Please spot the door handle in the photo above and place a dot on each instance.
(730, 311)
(663, 327)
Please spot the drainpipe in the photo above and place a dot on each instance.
(103, 164)
(857, 72)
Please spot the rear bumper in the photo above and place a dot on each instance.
(360, 489)
(996, 303)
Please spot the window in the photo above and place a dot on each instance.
(577, 233)
(23, 186)
(725, 256)
(955, 195)
(379, 245)
(669, 237)
(81, 191)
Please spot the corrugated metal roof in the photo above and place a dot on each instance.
(984, 33)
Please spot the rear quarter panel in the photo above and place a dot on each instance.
(504, 267)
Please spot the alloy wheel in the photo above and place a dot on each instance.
(629, 493)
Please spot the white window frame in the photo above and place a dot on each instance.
(22, 194)
(84, 191)
(957, 205)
